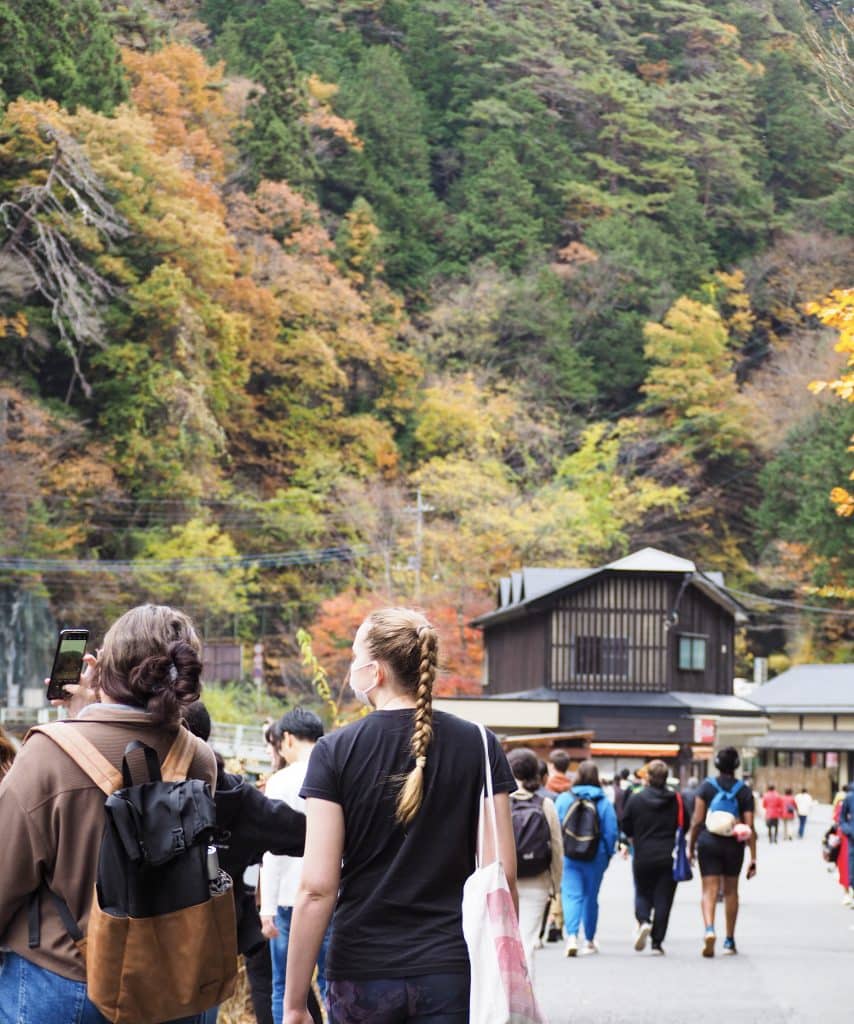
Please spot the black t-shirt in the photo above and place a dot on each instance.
(399, 904)
(707, 792)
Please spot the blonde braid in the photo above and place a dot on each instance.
(409, 800)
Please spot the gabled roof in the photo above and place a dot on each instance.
(523, 587)
(652, 560)
(808, 688)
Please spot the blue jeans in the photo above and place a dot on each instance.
(30, 994)
(579, 892)
(279, 959)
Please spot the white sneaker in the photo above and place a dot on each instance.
(572, 945)
(848, 900)
(642, 934)
(589, 948)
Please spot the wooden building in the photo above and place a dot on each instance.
(639, 651)
(810, 740)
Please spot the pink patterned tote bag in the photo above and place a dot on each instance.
(501, 991)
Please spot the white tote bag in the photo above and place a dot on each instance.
(501, 990)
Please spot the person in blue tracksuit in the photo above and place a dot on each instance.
(582, 879)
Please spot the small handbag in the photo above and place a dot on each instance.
(681, 864)
(501, 990)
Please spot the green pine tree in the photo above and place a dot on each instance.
(277, 142)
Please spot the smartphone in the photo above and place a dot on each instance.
(67, 662)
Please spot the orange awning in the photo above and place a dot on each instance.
(634, 749)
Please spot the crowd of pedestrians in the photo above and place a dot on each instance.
(365, 837)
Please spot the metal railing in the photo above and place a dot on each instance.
(244, 741)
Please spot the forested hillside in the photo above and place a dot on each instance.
(307, 305)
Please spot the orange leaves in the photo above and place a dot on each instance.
(182, 95)
(323, 121)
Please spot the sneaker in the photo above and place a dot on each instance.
(589, 948)
(709, 943)
(729, 947)
(848, 899)
(572, 946)
(641, 934)
(657, 951)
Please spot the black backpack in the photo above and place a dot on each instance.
(162, 908)
(581, 829)
(533, 836)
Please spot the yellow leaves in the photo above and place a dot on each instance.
(691, 383)
(15, 324)
(209, 586)
(843, 500)
(321, 117)
(456, 416)
(837, 311)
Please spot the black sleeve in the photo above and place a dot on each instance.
(321, 779)
(706, 793)
(502, 777)
(746, 802)
(274, 825)
(627, 823)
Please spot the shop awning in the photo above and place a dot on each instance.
(634, 749)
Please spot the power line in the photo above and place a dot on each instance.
(789, 604)
(275, 560)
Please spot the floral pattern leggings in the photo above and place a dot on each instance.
(427, 999)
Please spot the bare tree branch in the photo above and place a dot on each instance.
(41, 230)
(832, 52)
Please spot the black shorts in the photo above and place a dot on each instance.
(720, 855)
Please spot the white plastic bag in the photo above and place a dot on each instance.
(501, 990)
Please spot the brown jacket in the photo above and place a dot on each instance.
(51, 821)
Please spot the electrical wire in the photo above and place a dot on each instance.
(275, 560)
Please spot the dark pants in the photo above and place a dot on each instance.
(427, 999)
(654, 892)
(773, 825)
(259, 973)
(802, 824)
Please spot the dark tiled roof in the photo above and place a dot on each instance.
(523, 587)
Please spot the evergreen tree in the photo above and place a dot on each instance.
(795, 485)
(62, 50)
(392, 171)
(498, 213)
(277, 142)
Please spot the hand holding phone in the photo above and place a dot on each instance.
(67, 663)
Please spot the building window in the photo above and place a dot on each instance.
(692, 653)
(602, 656)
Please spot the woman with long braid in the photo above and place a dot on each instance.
(392, 807)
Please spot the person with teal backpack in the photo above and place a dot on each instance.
(722, 824)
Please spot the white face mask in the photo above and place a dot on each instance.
(362, 695)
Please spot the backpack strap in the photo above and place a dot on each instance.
(83, 753)
(739, 784)
(180, 757)
(716, 784)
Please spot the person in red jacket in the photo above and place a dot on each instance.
(789, 811)
(772, 808)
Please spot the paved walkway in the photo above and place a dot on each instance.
(795, 962)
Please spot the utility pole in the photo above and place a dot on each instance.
(419, 510)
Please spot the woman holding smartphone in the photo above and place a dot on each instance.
(52, 813)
